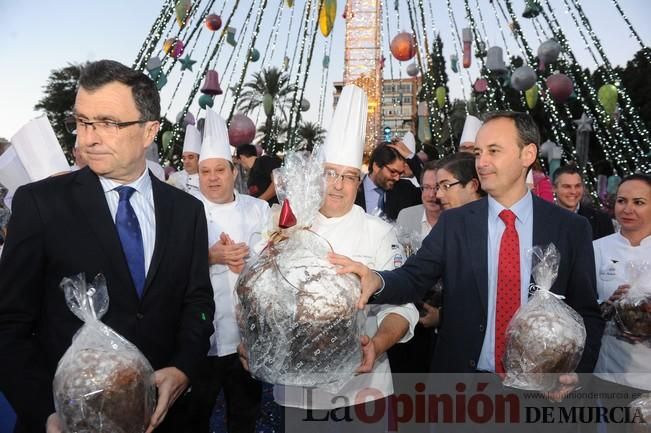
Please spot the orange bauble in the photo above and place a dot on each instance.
(403, 46)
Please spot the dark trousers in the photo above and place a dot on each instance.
(242, 394)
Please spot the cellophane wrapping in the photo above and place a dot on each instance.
(298, 319)
(545, 337)
(103, 383)
(633, 310)
(641, 414)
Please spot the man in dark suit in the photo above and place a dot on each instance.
(480, 252)
(569, 190)
(382, 191)
(156, 271)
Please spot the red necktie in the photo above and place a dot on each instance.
(508, 285)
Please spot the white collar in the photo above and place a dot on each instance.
(142, 184)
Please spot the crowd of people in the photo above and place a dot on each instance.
(172, 245)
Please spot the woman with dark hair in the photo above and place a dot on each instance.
(624, 364)
(457, 180)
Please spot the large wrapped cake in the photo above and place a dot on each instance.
(545, 337)
(633, 309)
(103, 383)
(298, 319)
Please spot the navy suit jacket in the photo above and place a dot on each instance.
(62, 226)
(601, 223)
(456, 250)
(403, 194)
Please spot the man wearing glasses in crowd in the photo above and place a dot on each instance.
(383, 192)
(112, 217)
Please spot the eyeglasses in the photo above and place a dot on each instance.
(332, 177)
(393, 171)
(443, 186)
(106, 127)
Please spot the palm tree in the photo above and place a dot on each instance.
(273, 134)
(309, 135)
(272, 90)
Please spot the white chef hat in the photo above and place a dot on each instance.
(192, 141)
(470, 129)
(38, 149)
(410, 142)
(215, 138)
(12, 171)
(344, 144)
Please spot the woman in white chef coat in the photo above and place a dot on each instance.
(624, 364)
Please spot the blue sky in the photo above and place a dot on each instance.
(41, 35)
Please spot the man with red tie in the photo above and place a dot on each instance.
(480, 251)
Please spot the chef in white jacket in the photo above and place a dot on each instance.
(188, 178)
(363, 237)
(235, 224)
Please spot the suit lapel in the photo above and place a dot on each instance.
(476, 228)
(541, 219)
(91, 199)
(163, 207)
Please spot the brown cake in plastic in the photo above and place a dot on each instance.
(634, 319)
(103, 391)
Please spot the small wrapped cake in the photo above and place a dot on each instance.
(634, 318)
(102, 383)
(633, 310)
(104, 391)
(545, 337)
(298, 319)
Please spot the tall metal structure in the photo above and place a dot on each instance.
(363, 59)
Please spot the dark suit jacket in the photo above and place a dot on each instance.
(456, 249)
(600, 222)
(404, 194)
(62, 226)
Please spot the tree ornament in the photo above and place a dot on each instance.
(560, 87)
(523, 78)
(467, 47)
(213, 22)
(241, 130)
(403, 46)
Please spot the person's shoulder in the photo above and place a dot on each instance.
(174, 194)
(253, 202)
(373, 223)
(555, 212)
(409, 213)
(51, 185)
(606, 241)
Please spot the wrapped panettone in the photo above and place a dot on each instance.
(298, 319)
(545, 337)
(633, 309)
(103, 383)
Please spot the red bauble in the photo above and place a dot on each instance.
(403, 46)
(241, 130)
(560, 87)
(213, 22)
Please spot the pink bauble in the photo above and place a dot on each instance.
(241, 130)
(560, 87)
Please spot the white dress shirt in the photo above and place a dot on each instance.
(142, 201)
